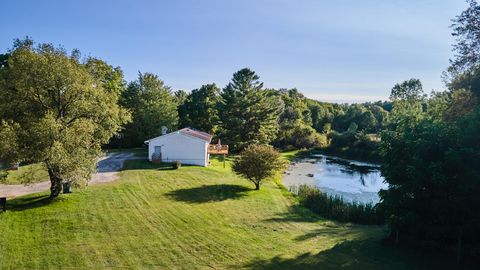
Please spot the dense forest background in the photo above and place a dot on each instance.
(244, 112)
(60, 109)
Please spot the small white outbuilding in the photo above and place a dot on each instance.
(187, 145)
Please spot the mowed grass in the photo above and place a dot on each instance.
(192, 218)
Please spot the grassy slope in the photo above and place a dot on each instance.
(191, 218)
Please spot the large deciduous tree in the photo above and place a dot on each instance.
(249, 114)
(55, 112)
(152, 105)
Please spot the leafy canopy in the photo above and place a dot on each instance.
(258, 162)
(152, 105)
(55, 112)
(200, 109)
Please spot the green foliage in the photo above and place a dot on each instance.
(27, 174)
(323, 113)
(258, 162)
(431, 155)
(249, 114)
(303, 136)
(408, 90)
(353, 145)
(352, 128)
(334, 207)
(110, 77)
(10, 152)
(295, 122)
(152, 105)
(55, 112)
(369, 117)
(406, 113)
(295, 108)
(432, 169)
(467, 35)
(200, 109)
(180, 97)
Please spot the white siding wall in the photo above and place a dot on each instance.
(176, 146)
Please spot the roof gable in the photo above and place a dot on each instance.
(196, 133)
(187, 132)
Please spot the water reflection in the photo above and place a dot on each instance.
(353, 180)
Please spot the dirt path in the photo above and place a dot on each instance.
(107, 171)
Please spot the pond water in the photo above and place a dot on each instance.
(350, 179)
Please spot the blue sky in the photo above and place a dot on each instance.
(343, 51)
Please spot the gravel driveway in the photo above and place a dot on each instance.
(107, 171)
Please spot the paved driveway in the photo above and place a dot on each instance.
(107, 171)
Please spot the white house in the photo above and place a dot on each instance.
(186, 145)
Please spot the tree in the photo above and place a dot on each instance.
(408, 90)
(295, 122)
(110, 77)
(466, 31)
(464, 70)
(55, 112)
(407, 103)
(431, 155)
(152, 105)
(180, 97)
(200, 109)
(432, 171)
(257, 162)
(249, 114)
(322, 113)
(367, 121)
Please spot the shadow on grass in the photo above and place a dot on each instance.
(29, 202)
(346, 255)
(297, 213)
(358, 254)
(143, 164)
(211, 193)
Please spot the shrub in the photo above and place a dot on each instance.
(353, 145)
(299, 136)
(334, 207)
(176, 164)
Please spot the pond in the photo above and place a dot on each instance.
(350, 179)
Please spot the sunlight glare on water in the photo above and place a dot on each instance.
(352, 180)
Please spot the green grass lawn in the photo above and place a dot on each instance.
(32, 173)
(192, 218)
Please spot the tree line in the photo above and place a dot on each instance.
(242, 113)
(60, 109)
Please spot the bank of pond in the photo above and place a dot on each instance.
(337, 188)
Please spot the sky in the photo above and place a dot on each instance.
(338, 51)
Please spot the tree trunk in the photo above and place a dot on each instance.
(257, 185)
(55, 184)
